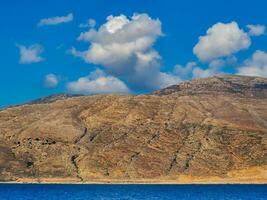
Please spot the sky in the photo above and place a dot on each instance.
(118, 46)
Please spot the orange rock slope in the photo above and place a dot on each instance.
(210, 130)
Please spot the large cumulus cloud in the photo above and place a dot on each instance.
(124, 47)
(222, 39)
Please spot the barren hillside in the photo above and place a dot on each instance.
(205, 130)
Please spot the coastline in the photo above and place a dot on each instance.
(251, 175)
(138, 181)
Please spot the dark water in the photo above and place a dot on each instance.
(151, 192)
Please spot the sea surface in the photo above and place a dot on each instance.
(151, 192)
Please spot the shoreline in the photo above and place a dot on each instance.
(130, 183)
(251, 175)
(137, 182)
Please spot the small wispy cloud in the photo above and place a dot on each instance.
(30, 54)
(256, 30)
(56, 20)
(90, 23)
(51, 80)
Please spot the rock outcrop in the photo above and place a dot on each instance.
(205, 130)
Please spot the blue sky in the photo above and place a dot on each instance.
(148, 44)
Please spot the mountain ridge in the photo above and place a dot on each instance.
(243, 85)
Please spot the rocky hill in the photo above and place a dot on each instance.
(238, 85)
(210, 130)
(52, 98)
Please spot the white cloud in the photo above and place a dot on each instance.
(193, 70)
(51, 80)
(89, 24)
(196, 70)
(168, 79)
(217, 63)
(255, 66)
(30, 54)
(96, 83)
(215, 67)
(203, 73)
(256, 30)
(184, 71)
(124, 46)
(221, 40)
(56, 20)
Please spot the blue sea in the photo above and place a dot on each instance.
(151, 192)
